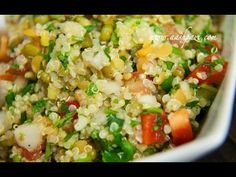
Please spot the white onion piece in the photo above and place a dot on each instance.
(28, 136)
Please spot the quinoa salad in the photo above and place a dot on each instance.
(105, 88)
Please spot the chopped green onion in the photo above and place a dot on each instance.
(48, 151)
(107, 51)
(169, 64)
(91, 90)
(61, 122)
(167, 84)
(176, 51)
(28, 88)
(51, 46)
(157, 29)
(63, 59)
(89, 28)
(153, 110)
(51, 27)
(123, 58)
(134, 123)
(114, 38)
(192, 104)
(69, 136)
(184, 64)
(10, 97)
(14, 66)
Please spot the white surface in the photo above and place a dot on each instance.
(216, 126)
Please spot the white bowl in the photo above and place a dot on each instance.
(215, 129)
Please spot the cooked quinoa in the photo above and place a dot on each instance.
(108, 88)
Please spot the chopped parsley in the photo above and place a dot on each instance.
(167, 84)
(10, 97)
(89, 28)
(28, 88)
(63, 59)
(39, 105)
(61, 122)
(51, 46)
(14, 66)
(169, 64)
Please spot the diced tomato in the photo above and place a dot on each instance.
(216, 77)
(149, 134)
(181, 128)
(73, 102)
(18, 71)
(7, 77)
(213, 77)
(33, 155)
(202, 68)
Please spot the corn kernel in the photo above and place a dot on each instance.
(35, 63)
(44, 38)
(30, 32)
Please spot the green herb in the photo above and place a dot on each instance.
(192, 104)
(128, 150)
(107, 51)
(95, 135)
(48, 151)
(61, 122)
(157, 124)
(63, 59)
(10, 97)
(134, 123)
(193, 86)
(126, 103)
(124, 152)
(51, 46)
(16, 158)
(76, 39)
(51, 27)
(123, 58)
(176, 87)
(155, 128)
(153, 110)
(28, 88)
(14, 66)
(134, 66)
(89, 28)
(87, 158)
(23, 117)
(176, 51)
(69, 135)
(111, 115)
(114, 38)
(167, 84)
(116, 101)
(150, 150)
(92, 89)
(64, 107)
(184, 64)
(169, 64)
(39, 105)
(216, 62)
(157, 29)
